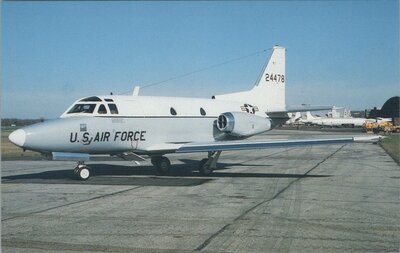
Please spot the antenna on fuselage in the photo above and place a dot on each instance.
(136, 90)
(202, 69)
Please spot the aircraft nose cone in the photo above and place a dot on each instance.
(18, 137)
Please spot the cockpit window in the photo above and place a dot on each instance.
(91, 99)
(102, 110)
(82, 108)
(113, 108)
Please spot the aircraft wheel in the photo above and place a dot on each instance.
(82, 173)
(205, 168)
(155, 160)
(163, 165)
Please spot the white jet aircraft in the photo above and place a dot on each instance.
(135, 126)
(293, 118)
(335, 122)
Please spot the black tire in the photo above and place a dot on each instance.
(155, 159)
(204, 168)
(82, 173)
(162, 165)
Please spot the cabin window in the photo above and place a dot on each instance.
(91, 99)
(172, 111)
(102, 110)
(108, 100)
(82, 108)
(113, 108)
(202, 112)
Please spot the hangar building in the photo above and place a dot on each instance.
(390, 109)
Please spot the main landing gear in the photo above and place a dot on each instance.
(81, 171)
(207, 165)
(162, 164)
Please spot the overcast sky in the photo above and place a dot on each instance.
(343, 53)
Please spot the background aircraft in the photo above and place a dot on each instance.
(334, 121)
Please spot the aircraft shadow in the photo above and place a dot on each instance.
(106, 174)
(193, 164)
(103, 174)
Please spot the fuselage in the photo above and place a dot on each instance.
(115, 124)
(337, 122)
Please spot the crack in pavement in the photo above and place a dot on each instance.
(72, 203)
(209, 239)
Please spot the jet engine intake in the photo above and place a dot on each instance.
(242, 124)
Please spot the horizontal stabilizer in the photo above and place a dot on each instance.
(303, 108)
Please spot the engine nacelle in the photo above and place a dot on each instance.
(242, 124)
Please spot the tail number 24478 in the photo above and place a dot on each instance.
(275, 78)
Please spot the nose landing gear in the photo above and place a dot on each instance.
(82, 171)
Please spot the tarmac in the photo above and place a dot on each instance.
(328, 198)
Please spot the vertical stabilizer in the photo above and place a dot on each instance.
(269, 91)
(274, 71)
(309, 116)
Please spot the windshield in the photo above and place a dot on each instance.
(82, 108)
(91, 99)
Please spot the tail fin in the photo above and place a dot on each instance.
(269, 91)
(309, 116)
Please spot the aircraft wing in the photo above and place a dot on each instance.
(248, 144)
(194, 147)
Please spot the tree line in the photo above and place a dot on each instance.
(19, 122)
